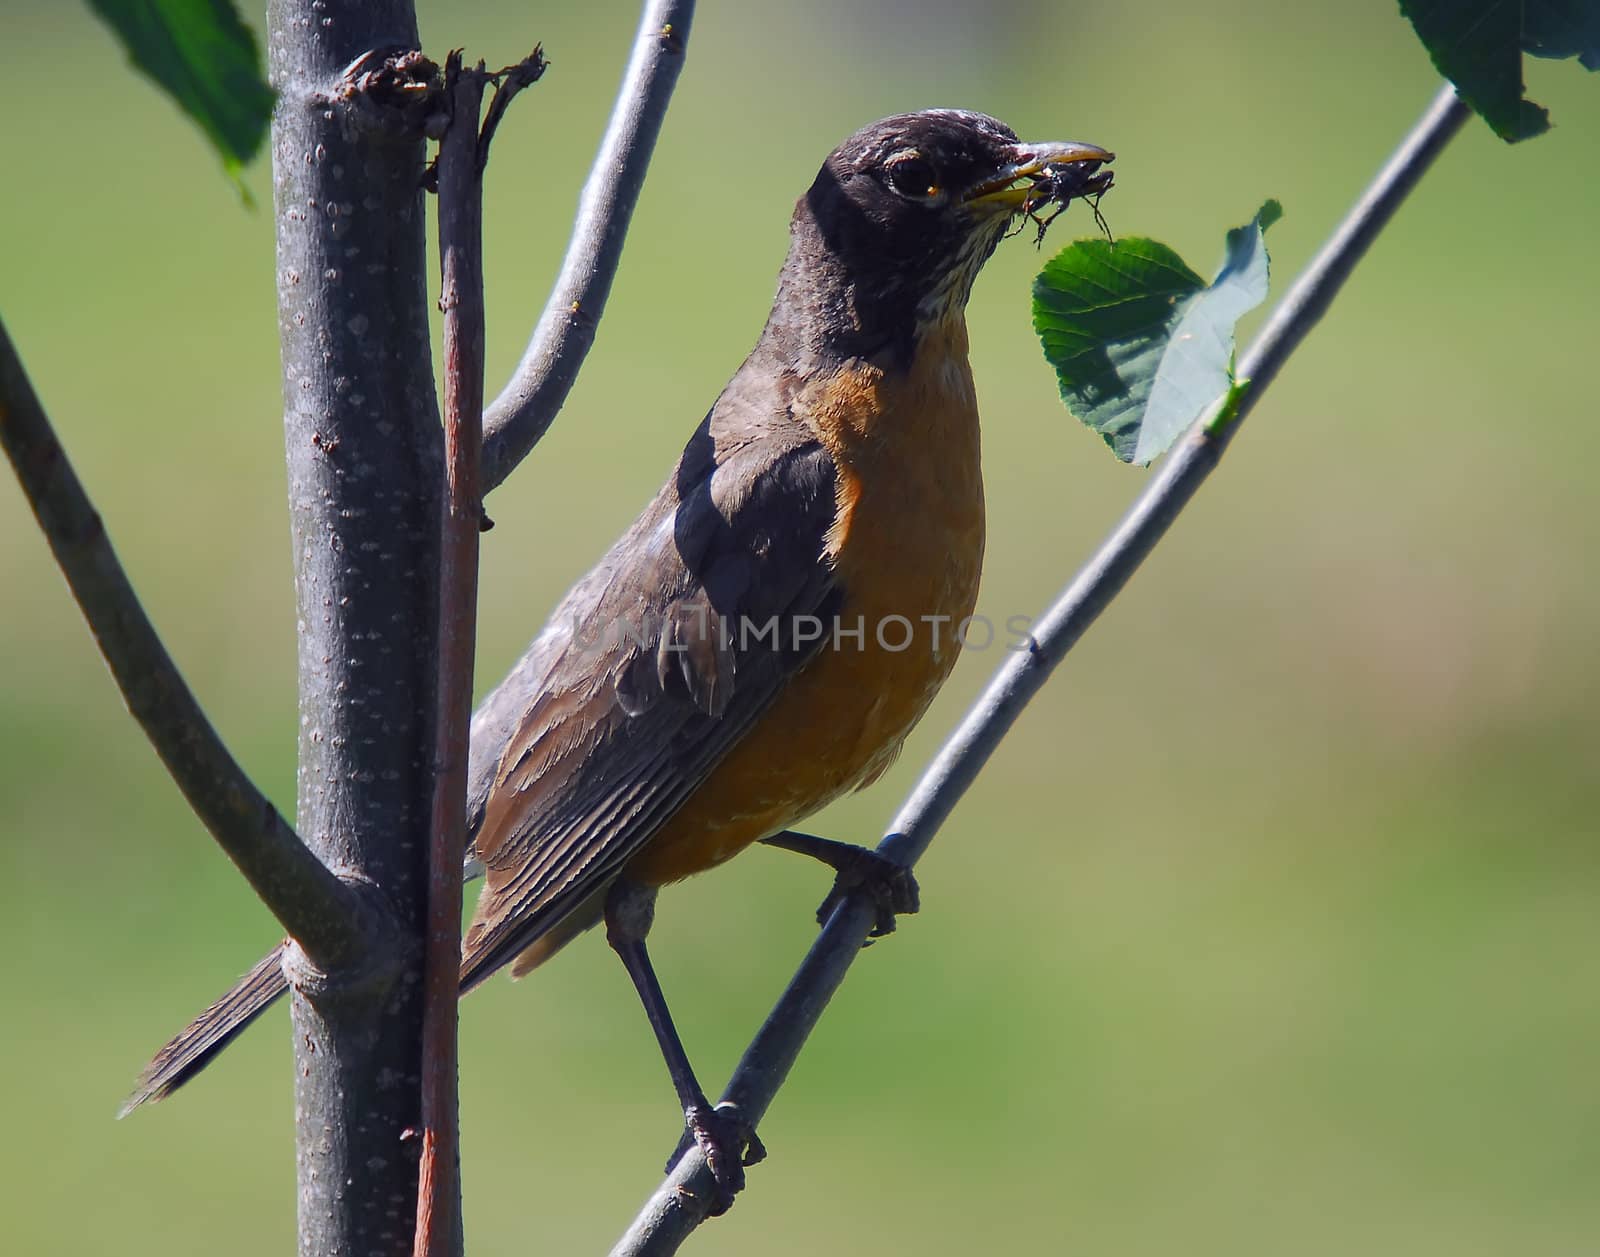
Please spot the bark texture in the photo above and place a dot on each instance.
(363, 445)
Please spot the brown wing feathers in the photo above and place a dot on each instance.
(650, 680)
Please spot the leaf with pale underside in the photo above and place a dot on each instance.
(1141, 345)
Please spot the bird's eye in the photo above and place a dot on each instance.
(912, 176)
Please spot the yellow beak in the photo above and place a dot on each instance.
(1005, 189)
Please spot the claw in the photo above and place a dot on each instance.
(892, 886)
(729, 1143)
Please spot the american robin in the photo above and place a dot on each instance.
(768, 631)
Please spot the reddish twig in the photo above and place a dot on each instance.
(439, 1232)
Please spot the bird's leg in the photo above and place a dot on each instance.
(891, 885)
(728, 1141)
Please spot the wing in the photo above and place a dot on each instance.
(649, 672)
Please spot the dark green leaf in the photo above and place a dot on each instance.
(206, 59)
(1478, 46)
(1142, 346)
(1562, 29)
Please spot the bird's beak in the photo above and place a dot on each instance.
(1006, 190)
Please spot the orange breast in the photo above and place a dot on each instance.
(907, 545)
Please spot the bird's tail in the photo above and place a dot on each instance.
(197, 1043)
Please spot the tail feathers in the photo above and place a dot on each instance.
(195, 1046)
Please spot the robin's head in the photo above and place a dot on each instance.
(901, 217)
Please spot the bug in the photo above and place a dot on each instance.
(1056, 187)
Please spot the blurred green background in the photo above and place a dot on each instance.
(1274, 925)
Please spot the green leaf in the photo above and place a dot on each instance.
(204, 56)
(1141, 345)
(1562, 29)
(1478, 46)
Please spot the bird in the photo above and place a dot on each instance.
(771, 627)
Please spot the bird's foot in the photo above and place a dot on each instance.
(892, 886)
(729, 1143)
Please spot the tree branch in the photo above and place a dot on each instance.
(332, 922)
(516, 421)
(364, 458)
(683, 1201)
(439, 1229)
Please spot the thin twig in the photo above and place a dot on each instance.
(507, 84)
(517, 419)
(682, 1202)
(334, 923)
(439, 1229)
